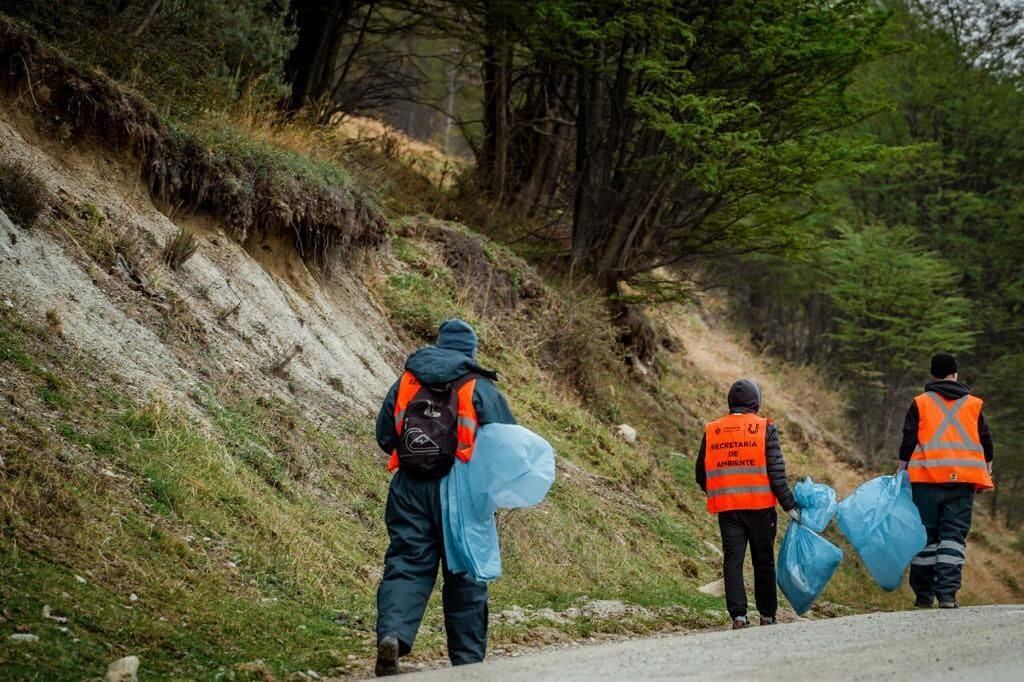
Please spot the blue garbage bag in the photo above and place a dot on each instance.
(807, 560)
(806, 564)
(882, 523)
(817, 503)
(512, 467)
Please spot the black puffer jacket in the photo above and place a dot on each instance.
(776, 467)
(952, 390)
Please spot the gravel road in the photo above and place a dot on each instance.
(977, 643)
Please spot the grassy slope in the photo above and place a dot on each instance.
(244, 540)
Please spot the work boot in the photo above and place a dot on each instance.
(924, 602)
(768, 620)
(739, 622)
(948, 604)
(387, 656)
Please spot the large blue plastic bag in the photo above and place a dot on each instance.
(806, 564)
(817, 503)
(511, 467)
(882, 523)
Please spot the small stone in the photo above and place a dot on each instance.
(713, 548)
(123, 670)
(351, 657)
(626, 433)
(133, 597)
(24, 637)
(48, 614)
(715, 588)
(80, 579)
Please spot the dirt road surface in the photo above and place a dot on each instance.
(977, 643)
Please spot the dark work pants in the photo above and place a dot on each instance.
(413, 518)
(946, 514)
(757, 527)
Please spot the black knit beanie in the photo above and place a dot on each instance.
(944, 364)
(745, 394)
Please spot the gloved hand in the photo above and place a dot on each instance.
(794, 514)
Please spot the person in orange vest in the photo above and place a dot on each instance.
(741, 470)
(428, 419)
(947, 450)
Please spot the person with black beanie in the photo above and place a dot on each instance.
(947, 450)
(741, 470)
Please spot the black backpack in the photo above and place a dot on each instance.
(426, 449)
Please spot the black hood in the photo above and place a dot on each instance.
(950, 389)
(745, 396)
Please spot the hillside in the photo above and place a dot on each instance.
(188, 469)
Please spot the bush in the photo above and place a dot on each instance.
(23, 196)
(184, 56)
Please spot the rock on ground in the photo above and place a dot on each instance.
(626, 433)
(123, 670)
(715, 589)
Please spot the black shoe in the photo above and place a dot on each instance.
(739, 622)
(387, 657)
(768, 620)
(924, 602)
(951, 604)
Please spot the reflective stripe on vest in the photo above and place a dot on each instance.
(736, 464)
(948, 445)
(466, 425)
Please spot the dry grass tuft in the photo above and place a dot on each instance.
(23, 196)
(179, 247)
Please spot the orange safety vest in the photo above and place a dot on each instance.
(948, 446)
(466, 424)
(737, 464)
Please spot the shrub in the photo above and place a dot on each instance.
(23, 196)
(184, 56)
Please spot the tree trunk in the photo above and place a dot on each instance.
(309, 68)
(496, 76)
(588, 219)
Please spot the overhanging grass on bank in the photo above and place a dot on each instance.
(254, 186)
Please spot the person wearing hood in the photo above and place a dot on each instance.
(741, 470)
(947, 450)
(429, 418)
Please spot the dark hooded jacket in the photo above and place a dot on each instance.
(450, 359)
(948, 389)
(745, 397)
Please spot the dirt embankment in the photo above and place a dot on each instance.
(253, 309)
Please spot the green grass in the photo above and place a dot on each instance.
(235, 150)
(245, 535)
